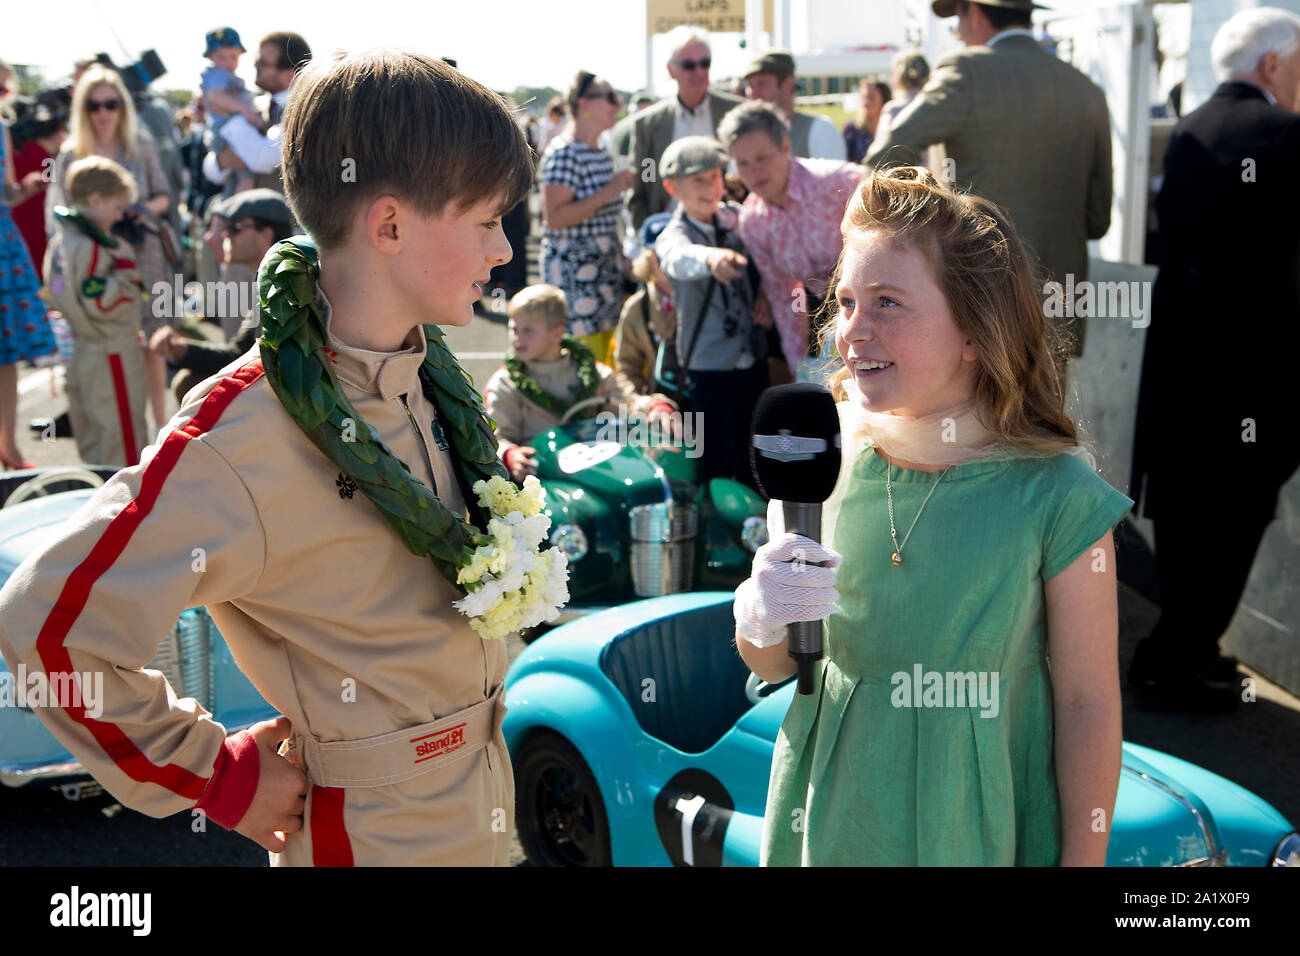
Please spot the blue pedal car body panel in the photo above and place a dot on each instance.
(647, 694)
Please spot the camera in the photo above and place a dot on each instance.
(138, 75)
(134, 226)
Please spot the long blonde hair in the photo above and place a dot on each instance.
(981, 266)
(81, 139)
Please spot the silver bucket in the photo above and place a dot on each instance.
(663, 548)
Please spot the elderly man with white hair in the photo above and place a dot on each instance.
(1217, 431)
(694, 111)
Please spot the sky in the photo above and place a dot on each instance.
(501, 43)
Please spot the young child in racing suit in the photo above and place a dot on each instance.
(392, 749)
(93, 280)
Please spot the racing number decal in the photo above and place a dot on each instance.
(583, 455)
(691, 815)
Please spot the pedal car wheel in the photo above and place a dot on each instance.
(560, 815)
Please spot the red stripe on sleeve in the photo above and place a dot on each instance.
(330, 845)
(72, 601)
(129, 447)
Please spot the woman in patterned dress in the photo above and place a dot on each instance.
(24, 328)
(581, 199)
(104, 123)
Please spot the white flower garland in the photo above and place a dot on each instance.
(511, 583)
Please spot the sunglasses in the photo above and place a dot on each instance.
(235, 228)
(611, 95)
(94, 106)
(703, 64)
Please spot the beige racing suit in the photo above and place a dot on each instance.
(97, 287)
(394, 699)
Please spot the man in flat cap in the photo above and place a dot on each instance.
(770, 78)
(1021, 128)
(255, 220)
(694, 111)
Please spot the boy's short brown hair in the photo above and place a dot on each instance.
(97, 174)
(360, 125)
(547, 302)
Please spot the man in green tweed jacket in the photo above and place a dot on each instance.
(1019, 127)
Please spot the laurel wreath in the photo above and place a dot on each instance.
(588, 378)
(292, 347)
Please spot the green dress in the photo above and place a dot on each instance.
(928, 738)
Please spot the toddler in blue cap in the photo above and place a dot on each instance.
(224, 93)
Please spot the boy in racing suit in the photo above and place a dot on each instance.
(93, 280)
(389, 750)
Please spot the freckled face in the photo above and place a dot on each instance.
(896, 333)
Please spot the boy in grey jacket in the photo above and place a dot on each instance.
(715, 288)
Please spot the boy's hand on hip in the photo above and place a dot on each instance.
(725, 264)
(280, 799)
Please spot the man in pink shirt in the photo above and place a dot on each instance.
(791, 221)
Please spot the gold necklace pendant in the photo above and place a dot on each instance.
(897, 556)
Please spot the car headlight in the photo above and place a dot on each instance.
(571, 541)
(1288, 851)
(753, 533)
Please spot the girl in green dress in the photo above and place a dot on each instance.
(967, 710)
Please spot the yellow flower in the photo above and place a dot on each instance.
(477, 567)
(532, 499)
(500, 620)
(496, 494)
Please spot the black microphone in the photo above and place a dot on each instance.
(794, 450)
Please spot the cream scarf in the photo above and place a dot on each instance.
(950, 436)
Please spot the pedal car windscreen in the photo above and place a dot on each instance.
(794, 446)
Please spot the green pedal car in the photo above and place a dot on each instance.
(629, 512)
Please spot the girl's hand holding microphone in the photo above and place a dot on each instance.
(792, 580)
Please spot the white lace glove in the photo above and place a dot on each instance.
(786, 585)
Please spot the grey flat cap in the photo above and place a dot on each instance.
(692, 154)
(256, 204)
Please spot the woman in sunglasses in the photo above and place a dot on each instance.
(103, 123)
(581, 199)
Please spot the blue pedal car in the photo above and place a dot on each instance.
(192, 654)
(639, 738)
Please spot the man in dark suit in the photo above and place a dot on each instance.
(1217, 432)
(1019, 127)
(694, 111)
